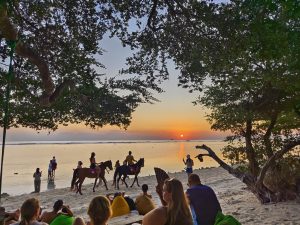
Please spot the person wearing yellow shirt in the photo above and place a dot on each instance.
(143, 202)
(130, 159)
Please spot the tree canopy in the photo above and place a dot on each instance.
(56, 74)
(243, 58)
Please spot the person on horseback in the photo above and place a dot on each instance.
(130, 161)
(93, 162)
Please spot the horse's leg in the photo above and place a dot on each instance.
(105, 182)
(124, 180)
(118, 181)
(133, 181)
(80, 185)
(96, 179)
(137, 180)
(77, 186)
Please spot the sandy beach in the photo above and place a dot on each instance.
(233, 195)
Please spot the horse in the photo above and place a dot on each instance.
(125, 170)
(98, 172)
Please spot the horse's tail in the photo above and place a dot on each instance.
(116, 173)
(74, 178)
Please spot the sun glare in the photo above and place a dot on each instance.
(181, 135)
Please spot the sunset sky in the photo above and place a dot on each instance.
(174, 117)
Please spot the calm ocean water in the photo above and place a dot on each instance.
(21, 159)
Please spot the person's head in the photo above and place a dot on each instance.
(58, 205)
(177, 206)
(93, 154)
(188, 156)
(116, 194)
(193, 180)
(37, 170)
(129, 152)
(80, 163)
(53, 157)
(173, 191)
(145, 188)
(99, 210)
(30, 210)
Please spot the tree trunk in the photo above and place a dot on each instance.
(267, 136)
(253, 165)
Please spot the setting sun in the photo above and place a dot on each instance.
(181, 135)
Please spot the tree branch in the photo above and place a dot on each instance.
(151, 15)
(261, 192)
(9, 32)
(224, 165)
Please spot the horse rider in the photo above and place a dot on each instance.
(130, 160)
(93, 162)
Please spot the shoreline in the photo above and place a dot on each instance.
(233, 195)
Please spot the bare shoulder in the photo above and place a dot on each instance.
(157, 216)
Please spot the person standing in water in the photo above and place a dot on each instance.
(54, 166)
(50, 170)
(37, 180)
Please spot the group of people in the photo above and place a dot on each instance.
(198, 205)
(38, 174)
(129, 160)
(51, 168)
(31, 214)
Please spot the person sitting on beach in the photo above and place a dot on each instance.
(37, 180)
(7, 218)
(189, 164)
(175, 210)
(48, 217)
(203, 201)
(64, 218)
(30, 211)
(99, 212)
(143, 202)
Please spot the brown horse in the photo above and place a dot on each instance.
(99, 172)
(125, 170)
